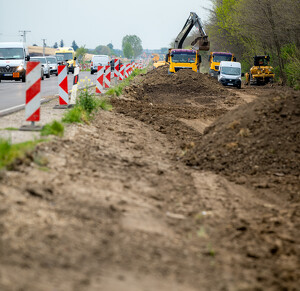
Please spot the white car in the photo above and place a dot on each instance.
(44, 63)
(52, 60)
(99, 60)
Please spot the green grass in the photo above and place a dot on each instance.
(75, 115)
(10, 128)
(53, 128)
(118, 90)
(87, 104)
(9, 152)
(104, 104)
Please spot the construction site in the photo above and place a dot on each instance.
(186, 181)
(185, 185)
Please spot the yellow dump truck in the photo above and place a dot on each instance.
(183, 59)
(179, 58)
(68, 54)
(215, 58)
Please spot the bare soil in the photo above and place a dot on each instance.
(184, 186)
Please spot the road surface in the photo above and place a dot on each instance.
(12, 93)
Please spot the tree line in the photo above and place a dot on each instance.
(131, 48)
(259, 27)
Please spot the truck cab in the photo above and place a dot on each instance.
(13, 60)
(230, 74)
(215, 58)
(183, 59)
(68, 54)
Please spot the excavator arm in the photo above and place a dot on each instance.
(201, 42)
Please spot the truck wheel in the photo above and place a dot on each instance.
(24, 78)
(251, 80)
(48, 75)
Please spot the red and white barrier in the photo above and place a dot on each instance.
(63, 85)
(107, 76)
(100, 78)
(117, 68)
(122, 73)
(33, 91)
(74, 87)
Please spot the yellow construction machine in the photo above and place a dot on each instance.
(215, 58)
(261, 73)
(179, 58)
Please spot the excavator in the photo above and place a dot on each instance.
(179, 58)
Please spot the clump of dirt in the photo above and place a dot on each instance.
(258, 139)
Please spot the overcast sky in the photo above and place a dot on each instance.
(95, 22)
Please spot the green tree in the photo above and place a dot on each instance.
(135, 43)
(102, 50)
(110, 45)
(74, 45)
(61, 43)
(81, 52)
(55, 45)
(253, 27)
(128, 50)
(164, 50)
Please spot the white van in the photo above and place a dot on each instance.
(13, 58)
(230, 74)
(99, 60)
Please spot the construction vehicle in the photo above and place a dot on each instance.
(155, 58)
(68, 54)
(179, 58)
(159, 64)
(215, 58)
(261, 73)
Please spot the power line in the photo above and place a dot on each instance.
(23, 33)
(44, 45)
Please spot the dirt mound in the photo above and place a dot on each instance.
(160, 87)
(164, 101)
(257, 139)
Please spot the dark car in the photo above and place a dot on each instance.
(61, 61)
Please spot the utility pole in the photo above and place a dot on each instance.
(44, 45)
(23, 33)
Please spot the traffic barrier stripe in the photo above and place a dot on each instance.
(63, 85)
(100, 78)
(107, 76)
(117, 68)
(33, 91)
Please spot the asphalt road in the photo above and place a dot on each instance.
(12, 93)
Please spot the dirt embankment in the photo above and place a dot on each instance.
(113, 205)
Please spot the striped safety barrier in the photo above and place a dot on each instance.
(33, 91)
(74, 87)
(117, 68)
(100, 78)
(122, 73)
(63, 86)
(126, 71)
(107, 76)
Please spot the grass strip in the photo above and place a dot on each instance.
(9, 152)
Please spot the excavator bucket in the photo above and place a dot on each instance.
(201, 43)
